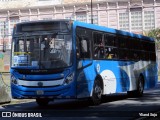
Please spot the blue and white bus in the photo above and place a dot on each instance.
(71, 59)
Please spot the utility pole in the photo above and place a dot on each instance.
(4, 44)
(91, 13)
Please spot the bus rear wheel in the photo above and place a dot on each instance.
(140, 87)
(97, 92)
(42, 101)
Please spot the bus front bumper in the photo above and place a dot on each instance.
(21, 92)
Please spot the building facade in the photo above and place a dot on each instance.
(130, 15)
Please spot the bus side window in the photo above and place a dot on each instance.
(111, 44)
(84, 47)
(99, 51)
(77, 48)
(83, 42)
(111, 53)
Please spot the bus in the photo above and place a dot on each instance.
(69, 59)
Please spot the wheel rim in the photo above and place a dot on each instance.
(140, 86)
(97, 90)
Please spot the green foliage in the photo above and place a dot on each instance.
(155, 33)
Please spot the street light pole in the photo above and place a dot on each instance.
(4, 45)
(91, 13)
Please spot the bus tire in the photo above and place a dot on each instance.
(42, 101)
(140, 86)
(97, 92)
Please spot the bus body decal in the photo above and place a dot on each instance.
(110, 82)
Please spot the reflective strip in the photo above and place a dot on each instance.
(40, 83)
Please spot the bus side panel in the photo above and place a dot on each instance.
(150, 75)
(127, 75)
(85, 80)
(135, 69)
(117, 76)
(115, 79)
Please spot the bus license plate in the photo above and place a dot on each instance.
(40, 92)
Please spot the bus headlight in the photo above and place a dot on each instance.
(14, 80)
(68, 79)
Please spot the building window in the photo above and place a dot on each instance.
(95, 19)
(3, 29)
(12, 23)
(46, 18)
(25, 20)
(49, 2)
(69, 17)
(124, 21)
(7, 0)
(81, 17)
(136, 20)
(149, 22)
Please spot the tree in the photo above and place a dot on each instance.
(154, 33)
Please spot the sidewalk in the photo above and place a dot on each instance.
(17, 101)
(4, 95)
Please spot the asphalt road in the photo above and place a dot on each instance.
(117, 107)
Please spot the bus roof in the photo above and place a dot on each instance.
(111, 30)
(95, 27)
(44, 21)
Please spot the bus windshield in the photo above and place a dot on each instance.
(42, 51)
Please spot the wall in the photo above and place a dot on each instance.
(5, 95)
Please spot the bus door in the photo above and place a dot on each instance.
(83, 54)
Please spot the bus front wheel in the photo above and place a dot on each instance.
(97, 92)
(42, 101)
